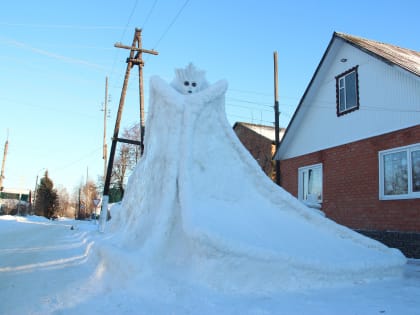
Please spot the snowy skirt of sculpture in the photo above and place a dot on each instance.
(198, 204)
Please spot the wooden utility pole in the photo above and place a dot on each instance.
(141, 98)
(135, 59)
(276, 118)
(105, 151)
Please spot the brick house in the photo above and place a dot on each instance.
(260, 142)
(353, 143)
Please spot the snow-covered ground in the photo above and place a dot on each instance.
(48, 268)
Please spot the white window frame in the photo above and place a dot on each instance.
(303, 169)
(410, 195)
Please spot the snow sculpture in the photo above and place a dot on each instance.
(199, 205)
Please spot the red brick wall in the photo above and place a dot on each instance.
(260, 147)
(351, 184)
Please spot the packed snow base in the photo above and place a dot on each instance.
(200, 206)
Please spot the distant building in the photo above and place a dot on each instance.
(260, 142)
(15, 201)
(353, 143)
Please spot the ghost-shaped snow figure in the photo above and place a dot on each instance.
(189, 80)
(199, 204)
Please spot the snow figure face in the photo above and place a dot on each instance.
(189, 80)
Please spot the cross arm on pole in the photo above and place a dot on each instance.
(133, 48)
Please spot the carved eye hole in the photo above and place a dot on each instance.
(194, 84)
(186, 83)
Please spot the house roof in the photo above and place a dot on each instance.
(263, 130)
(20, 191)
(406, 59)
(402, 57)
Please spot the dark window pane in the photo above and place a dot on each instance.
(342, 100)
(415, 167)
(395, 173)
(315, 183)
(351, 96)
(305, 186)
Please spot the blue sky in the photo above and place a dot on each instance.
(55, 56)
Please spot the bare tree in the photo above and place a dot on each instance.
(65, 208)
(128, 157)
(133, 133)
(82, 199)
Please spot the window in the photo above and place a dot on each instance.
(347, 91)
(399, 173)
(310, 183)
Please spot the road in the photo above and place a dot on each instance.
(38, 259)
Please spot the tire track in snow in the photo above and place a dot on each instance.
(51, 245)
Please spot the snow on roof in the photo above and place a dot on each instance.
(403, 57)
(22, 191)
(263, 130)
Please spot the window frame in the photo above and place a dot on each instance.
(338, 90)
(410, 193)
(300, 180)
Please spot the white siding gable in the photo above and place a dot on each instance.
(389, 100)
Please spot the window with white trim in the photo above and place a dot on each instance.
(347, 91)
(399, 173)
(310, 183)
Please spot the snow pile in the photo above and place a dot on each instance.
(199, 205)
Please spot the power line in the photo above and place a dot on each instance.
(81, 158)
(248, 107)
(251, 92)
(47, 108)
(261, 93)
(246, 118)
(122, 36)
(129, 19)
(384, 109)
(172, 23)
(50, 54)
(333, 104)
(63, 26)
(149, 14)
(249, 102)
(268, 108)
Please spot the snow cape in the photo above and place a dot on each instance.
(198, 205)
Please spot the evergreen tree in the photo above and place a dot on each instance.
(46, 203)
